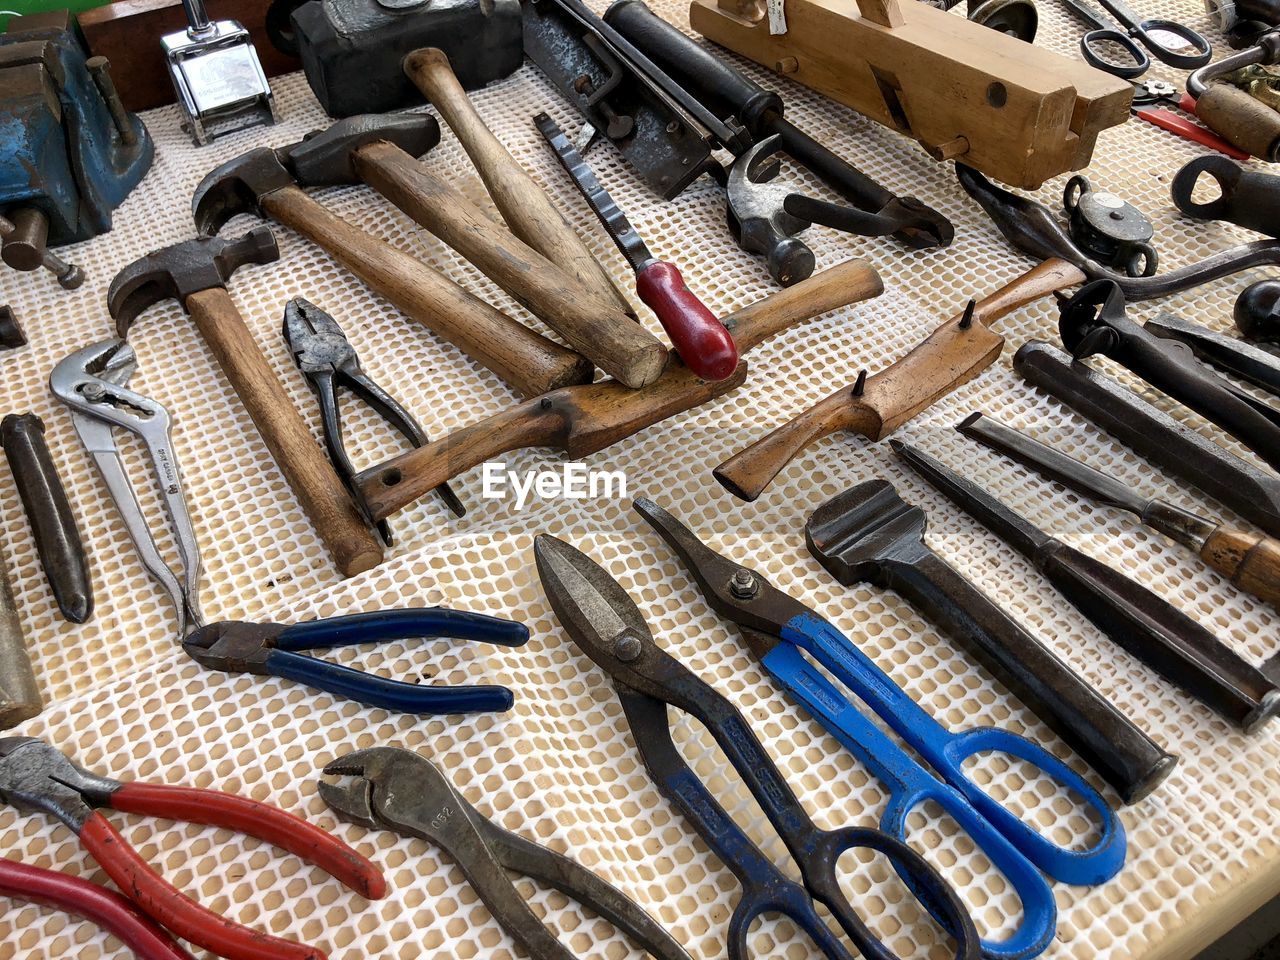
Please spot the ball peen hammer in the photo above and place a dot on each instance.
(527, 210)
(195, 273)
(371, 149)
(262, 182)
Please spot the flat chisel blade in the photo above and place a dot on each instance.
(1182, 452)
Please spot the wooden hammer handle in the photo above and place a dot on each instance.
(352, 544)
(528, 361)
(1250, 560)
(591, 324)
(522, 203)
(952, 355)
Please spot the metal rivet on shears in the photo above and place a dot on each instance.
(627, 647)
(744, 585)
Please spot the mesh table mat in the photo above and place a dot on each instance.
(561, 767)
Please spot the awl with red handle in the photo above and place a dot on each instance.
(699, 338)
(35, 776)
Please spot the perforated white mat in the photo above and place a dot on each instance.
(561, 766)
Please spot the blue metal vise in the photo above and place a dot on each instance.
(69, 151)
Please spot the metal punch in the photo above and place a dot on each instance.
(405, 793)
(604, 622)
(327, 359)
(92, 383)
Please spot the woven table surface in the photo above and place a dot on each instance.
(561, 767)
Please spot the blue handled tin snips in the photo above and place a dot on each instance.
(780, 630)
(271, 650)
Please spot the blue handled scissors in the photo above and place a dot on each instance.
(777, 628)
(604, 622)
(271, 650)
(1184, 48)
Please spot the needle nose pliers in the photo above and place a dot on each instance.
(327, 359)
(35, 776)
(269, 650)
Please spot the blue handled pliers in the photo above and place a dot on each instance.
(270, 650)
(780, 630)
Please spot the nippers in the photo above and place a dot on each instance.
(405, 793)
(777, 627)
(327, 359)
(604, 622)
(35, 776)
(270, 650)
(92, 383)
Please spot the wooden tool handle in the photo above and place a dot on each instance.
(398, 482)
(523, 204)
(351, 543)
(952, 355)
(701, 340)
(840, 286)
(1251, 561)
(531, 363)
(592, 324)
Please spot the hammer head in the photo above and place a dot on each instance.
(757, 217)
(855, 532)
(183, 269)
(326, 158)
(236, 187)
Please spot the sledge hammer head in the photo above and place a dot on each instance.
(322, 159)
(183, 269)
(853, 533)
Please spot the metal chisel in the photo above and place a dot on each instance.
(1251, 561)
(1153, 630)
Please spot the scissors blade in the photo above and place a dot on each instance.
(735, 592)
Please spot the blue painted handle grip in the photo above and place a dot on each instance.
(394, 695)
(946, 753)
(911, 785)
(399, 625)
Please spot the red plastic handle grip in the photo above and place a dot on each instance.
(106, 908)
(260, 820)
(173, 909)
(1182, 127)
(700, 339)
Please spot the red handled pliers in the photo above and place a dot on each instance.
(116, 914)
(36, 777)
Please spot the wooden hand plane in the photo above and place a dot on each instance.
(1017, 112)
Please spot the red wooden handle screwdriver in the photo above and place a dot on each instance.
(35, 776)
(699, 338)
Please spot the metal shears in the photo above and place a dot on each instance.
(604, 622)
(780, 629)
(1131, 34)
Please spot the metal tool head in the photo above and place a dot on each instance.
(973, 500)
(1257, 311)
(35, 776)
(1025, 223)
(733, 591)
(111, 361)
(855, 531)
(1092, 321)
(326, 157)
(596, 612)
(236, 187)
(315, 340)
(233, 645)
(392, 791)
(758, 218)
(185, 268)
